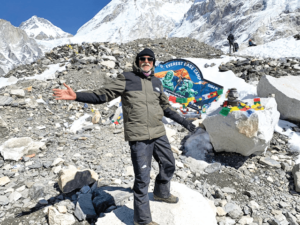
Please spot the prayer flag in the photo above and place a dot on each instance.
(225, 111)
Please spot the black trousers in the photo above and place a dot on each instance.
(230, 45)
(141, 156)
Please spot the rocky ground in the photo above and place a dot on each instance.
(251, 69)
(245, 190)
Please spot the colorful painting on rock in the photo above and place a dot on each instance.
(183, 82)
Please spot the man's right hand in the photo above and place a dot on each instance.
(62, 94)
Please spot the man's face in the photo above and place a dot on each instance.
(145, 64)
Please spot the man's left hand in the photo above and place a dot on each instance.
(189, 125)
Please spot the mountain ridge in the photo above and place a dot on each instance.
(42, 29)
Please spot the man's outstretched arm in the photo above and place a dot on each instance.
(107, 93)
(62, 94)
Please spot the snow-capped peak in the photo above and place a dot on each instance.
(126, 20)
(42, 29)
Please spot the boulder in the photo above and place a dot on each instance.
(287, 94)
(198, 144)
(15, 148)
(107, 196)
(192, 209)
(56, 218)
(241, 133)
(296, 175)
(84, 208)
(71, 178)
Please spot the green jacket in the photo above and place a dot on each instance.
(144, 104)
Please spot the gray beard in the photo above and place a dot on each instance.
(146, 71)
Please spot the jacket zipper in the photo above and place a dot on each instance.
(145, 80)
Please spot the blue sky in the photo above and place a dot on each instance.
(69, 15)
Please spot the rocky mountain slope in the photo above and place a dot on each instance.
(16, 47)
(243, 190)
(209, 21)
(262, 20)
(126, 20)
(42, 29)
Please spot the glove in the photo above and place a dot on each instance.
(188, 125)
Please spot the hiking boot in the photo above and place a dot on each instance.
(171, 199)
(151, 223)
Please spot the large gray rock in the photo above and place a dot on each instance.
(296, 175)
(192, 209)
(106, 196)
(84, 208)
(198, 144)
(240, 133)
(287, 94)
(15, 148)
(71, 178)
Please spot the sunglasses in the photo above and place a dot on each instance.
(143, 59)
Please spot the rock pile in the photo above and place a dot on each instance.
(251, 69)
(113, 57)
(244, 189)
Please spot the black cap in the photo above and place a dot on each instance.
(146, 51)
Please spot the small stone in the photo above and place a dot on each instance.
(85, 189)
(129, 171)
(56, 218)
(213, 168)
(221, 211)
(14, 196)
(4, 200)
(57, 161)
(43, 202)
(253, 205)
(229, 190)
(269, 162)
(4, 181)
(62, 208)
(245, 220)
(179, 164)
(36, 191)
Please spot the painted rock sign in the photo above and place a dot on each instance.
(183, 82)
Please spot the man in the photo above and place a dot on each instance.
(235, 47)
(230, 38)
(251, 43)
(144, 104)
